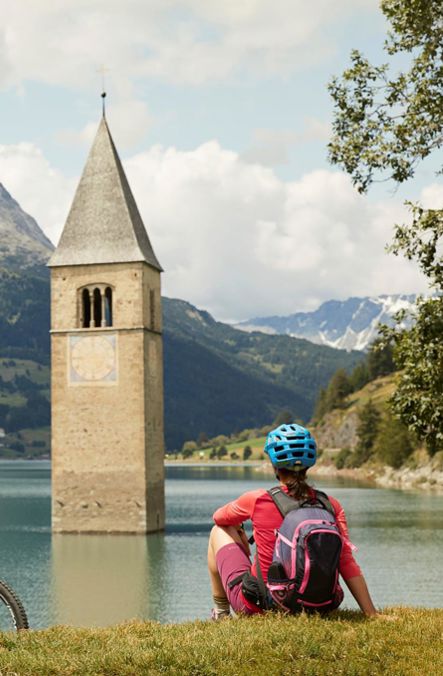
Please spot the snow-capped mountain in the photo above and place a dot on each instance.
(349, 324)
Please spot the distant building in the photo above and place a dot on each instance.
(107, 365)
(2, 433)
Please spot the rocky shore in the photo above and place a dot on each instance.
(422, 472)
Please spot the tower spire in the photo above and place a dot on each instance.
(104, 224)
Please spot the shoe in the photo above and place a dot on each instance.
(217, 615)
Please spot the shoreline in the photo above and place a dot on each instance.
(427, 477)
(424, 478)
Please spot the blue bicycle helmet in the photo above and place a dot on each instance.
(291, 446)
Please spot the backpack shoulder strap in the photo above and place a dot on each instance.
(323, 499)
(282, 501)
(286, 504)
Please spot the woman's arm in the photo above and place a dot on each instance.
(359, 590)
(237, 511)
(349, 568)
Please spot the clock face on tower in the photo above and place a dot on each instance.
(92, 359)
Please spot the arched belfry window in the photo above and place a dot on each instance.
(95, 306)
(86, 307)
(108, 306)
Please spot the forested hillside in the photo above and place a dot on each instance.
(357, 429)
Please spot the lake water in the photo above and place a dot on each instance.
(88, 580)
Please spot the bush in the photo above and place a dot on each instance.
(247, 452)
(393, 443)
(213, 453)
(222, 452)
(234, 456)
(220, 440)
(189, 446)
(187, 453)
(17, 446)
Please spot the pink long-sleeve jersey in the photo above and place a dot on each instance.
(260, 508)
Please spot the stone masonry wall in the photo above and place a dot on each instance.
(107, 435)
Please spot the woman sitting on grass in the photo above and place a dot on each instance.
(313, 544)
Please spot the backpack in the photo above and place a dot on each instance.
(304, 569)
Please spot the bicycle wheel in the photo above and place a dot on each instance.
(12, 613)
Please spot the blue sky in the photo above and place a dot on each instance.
(221, 115)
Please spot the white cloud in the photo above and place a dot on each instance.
(183, 42)
(432, 196)
(233, 237)
(42, 191)
(237, 240)
(271, 147)
(180, 41)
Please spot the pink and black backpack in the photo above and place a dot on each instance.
(304, 569)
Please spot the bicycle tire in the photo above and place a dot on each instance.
(14, 605)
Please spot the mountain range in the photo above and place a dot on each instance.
(217, 379)
(348, 324)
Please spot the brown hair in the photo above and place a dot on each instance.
(295, 482)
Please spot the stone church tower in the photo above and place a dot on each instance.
(106, 346)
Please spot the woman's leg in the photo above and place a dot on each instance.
(219, 537)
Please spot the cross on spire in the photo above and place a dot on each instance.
(102, 70)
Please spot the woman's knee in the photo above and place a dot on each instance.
(223, 535)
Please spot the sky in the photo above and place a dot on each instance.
(221, 115)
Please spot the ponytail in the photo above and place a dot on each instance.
(295, 482)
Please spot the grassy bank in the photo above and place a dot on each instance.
(404, 641)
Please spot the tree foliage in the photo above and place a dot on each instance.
(385, 123)
(367, 430)
(284, 417)
(418, 352)
(393, 443)
(418, 398)
(247, 452)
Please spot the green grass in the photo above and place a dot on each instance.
(256, 445)
(24, 367)
(403, 642)
(12, 399)
(202, 455)
(378, 391)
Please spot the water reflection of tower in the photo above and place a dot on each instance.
(106, 348)
(105, 579)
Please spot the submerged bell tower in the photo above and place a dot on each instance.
(107, 365)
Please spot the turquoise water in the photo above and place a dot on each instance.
(97, 580)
